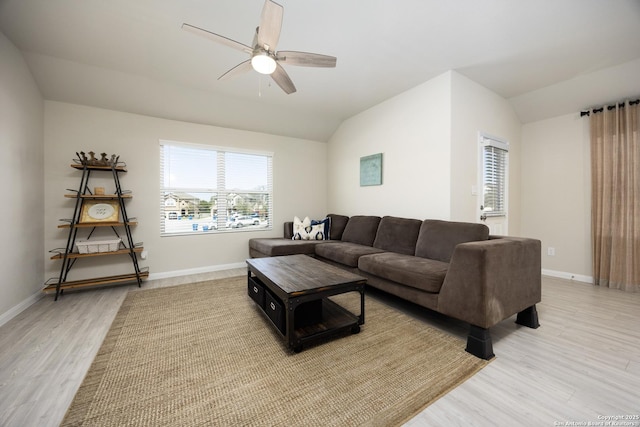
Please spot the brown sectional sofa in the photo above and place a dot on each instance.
(454, 268)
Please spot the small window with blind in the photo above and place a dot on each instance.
(495, 164)
(206, 189)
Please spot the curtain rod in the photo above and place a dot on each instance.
(609, 108)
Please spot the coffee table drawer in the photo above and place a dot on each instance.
(256, 291)
(275, 310)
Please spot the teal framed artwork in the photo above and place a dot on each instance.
(371, 170)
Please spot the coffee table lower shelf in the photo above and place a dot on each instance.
(335, 320)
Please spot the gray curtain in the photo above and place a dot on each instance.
(615, 212)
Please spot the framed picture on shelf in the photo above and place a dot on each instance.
(100, 211)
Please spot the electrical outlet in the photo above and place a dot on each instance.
(551, 251)
(144, 254)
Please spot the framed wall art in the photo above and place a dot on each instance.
(371, 170)
(100, 211)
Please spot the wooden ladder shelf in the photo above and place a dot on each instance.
(112, 213)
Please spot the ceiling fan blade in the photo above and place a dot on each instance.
(305, 59)
(281, 77)
(270, 25)
(217, 38)
(241, 68)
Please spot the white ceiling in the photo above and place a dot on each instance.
(547, 57)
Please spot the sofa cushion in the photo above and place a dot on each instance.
(338, 223)
(416, 272)
(276, 246)
(345, 253)
(361, 229)
(397, 235)
(437, 239)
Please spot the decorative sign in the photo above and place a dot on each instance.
(100, 211)
(371, 170)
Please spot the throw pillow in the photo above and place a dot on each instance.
(316, 232)
(321, 229)
(301, 229)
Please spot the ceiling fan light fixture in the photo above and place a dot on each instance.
(263, 63)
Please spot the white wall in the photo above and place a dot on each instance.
(300, 177)
(21, 165)
(412, 131)
(556, 186)
(476, 108)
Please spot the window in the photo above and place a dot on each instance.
(495, 161)
(207, 189)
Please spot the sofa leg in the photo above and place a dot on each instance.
(479, 343)
(528, 317)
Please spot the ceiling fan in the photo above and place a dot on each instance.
(263, 55)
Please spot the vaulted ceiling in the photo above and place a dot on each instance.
(547, 57)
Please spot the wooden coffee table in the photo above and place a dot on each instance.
(293, 291)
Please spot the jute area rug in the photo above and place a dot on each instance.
(204, 354)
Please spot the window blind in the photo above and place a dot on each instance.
(495, 157)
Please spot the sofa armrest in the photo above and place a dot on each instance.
(288, 230)
(491, 280)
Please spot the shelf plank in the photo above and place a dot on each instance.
(98, 168)
(78, 255)
(98, 224)
(98, 281)
(98, 196)
(334, 317)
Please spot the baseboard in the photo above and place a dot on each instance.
(14, 311)
(568, 276)
(199, 270)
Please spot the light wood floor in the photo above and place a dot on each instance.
(581, 364)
